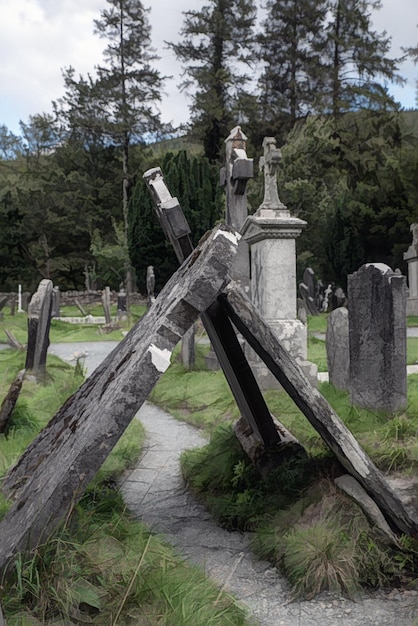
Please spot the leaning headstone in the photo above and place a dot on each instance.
(377, 321)
(39, 322)
(187, 353)
(80, 307)
(106, 305)
(56, 296)
(338, 351)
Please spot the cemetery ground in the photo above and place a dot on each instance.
(101, 563)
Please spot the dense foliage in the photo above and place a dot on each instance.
(73, 206)
(194, 181)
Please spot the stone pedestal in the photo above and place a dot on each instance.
(271, 235)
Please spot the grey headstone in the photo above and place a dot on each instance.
(122, 306)
(309, 280)
(106, 305)
(187, 354)
(56, 296)
(338, 351)
(39, 322)
(307, 299)
(377, 320)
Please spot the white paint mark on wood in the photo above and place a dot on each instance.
(160, 358)
(234, 237)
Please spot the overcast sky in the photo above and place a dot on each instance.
(40, 37)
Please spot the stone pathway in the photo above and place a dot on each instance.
(155, 493)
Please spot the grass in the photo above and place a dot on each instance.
(67, 333)
(101, 566)
(316, 535)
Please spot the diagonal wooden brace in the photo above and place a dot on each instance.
(220, 331)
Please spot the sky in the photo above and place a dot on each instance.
(40, 37)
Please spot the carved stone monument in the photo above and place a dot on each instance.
(234, 177)
(271, 233)
(411, 256)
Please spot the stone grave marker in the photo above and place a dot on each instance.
(150, 284)
(187, 352)
(308, 300)
(106, 305)
(377, 331)
(56, 297)
(308, 279)
(39, 322)
(122, 306)
(338, 351)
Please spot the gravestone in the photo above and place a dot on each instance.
(122, 306)
(377, 338)
(187, 351)
(307, 299)
(338, 351)
(39, 322)
(308, 279)
(150, 284)
(106, 305)
(56, 296)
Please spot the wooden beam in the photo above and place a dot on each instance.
(56, 468)
(314, 406)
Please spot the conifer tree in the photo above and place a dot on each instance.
(357, 68)
(216, 52)
(292, 42)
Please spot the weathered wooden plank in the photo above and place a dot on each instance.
(58, 465)
(314, 406)
(222, 336)
(9, 402)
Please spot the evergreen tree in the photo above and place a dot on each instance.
(194, 181)
(217, 51)
(119, 107)
(291, 48)
(356, 68)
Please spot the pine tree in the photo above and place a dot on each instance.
(118, 107)
(217, 51)
(291, 47)
(357, 68)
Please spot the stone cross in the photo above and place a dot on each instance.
(270, 163)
